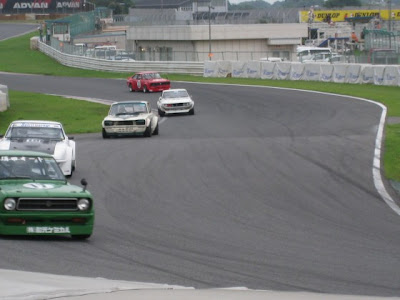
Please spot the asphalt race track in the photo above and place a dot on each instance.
(262, 188)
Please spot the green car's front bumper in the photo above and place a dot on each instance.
(32, 223)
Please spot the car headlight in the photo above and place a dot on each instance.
(108, 123)
(10, 204)
(83, 204)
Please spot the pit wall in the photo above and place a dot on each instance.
(324, 72)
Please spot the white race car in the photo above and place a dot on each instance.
(130, 118)
(175, 101)
(42, 136)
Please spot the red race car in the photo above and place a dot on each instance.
(148, 81)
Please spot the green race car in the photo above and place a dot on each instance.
(36, 199)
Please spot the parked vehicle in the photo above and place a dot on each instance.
(306, 53)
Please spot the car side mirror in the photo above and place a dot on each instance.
(70, 137)
(84, 183)
(1, 135)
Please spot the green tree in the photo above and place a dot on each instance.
(342, 3)
(249, 5)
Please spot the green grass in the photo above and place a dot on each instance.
(77, 116)
(16, 56)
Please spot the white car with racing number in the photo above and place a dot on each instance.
(42, 136)
(130, 118)
(174, 101)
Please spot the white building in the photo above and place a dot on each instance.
(227, 42)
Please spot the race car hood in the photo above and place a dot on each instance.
(29, 188)
(140, 116)
(176, 100)
(34, 144)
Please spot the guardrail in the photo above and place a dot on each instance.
(89, 63)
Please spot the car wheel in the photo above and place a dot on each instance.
(104, 134)
(191, 112)
(145, 90)
(73, 165)
(147, 132)
(81, 236)
(161, 113)
(155, 132)
(130, 88)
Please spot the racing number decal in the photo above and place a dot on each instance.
(38, 186)
(138, 84)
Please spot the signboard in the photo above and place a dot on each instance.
(341, 15)
(29, 6)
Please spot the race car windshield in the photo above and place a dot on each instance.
(151, 76)
(24, 167)
(175, 94)
(128, 109)
(36, 132)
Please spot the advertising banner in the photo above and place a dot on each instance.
(378, 74)
(367, 74)
(39, 6)
(267, 70)
(341, 15)
(391, 75)
(239, 69)
(282, 70)
(326, 72)
(339, 73)
(312, 71)
(253, 69)
(210, 69)
(353, 74)
(224, 68)
(297, 71)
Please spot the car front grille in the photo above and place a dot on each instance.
(124, 123)
(176, 105)
(116, 123)
(47, 204)
(160, 83)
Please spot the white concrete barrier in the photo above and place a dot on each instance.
(339, 73)
(4, 99)
(297, 71)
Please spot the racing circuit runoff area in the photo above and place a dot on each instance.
(263, 188)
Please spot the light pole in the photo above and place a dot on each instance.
(209, 30)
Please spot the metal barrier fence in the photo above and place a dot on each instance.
(120, 66)
(162, 54)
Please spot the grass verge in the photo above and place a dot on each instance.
(17, 57)
(77, 116)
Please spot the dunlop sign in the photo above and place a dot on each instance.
(341, 15)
